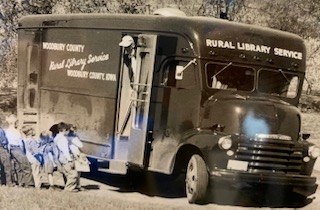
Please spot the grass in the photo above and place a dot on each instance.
(311, 124)
(20, 198)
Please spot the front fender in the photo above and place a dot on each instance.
(172, 153)
(197, 141)
(204, 139)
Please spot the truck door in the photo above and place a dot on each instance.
(28, 81)
(141, 98)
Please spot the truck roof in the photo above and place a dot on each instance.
(197, 30)
(147, 22)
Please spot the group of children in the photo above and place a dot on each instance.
(25, 158)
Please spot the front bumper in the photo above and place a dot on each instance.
(301, 184)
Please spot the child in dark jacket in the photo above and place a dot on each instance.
(5, 161)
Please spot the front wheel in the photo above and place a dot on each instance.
(196, 179)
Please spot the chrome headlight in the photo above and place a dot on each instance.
(314, 152)
(225, 142)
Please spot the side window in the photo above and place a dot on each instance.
(168, 77)
(31, 91)
(188, 77)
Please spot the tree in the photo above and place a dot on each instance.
(295, 16)
(10, 12)
(225, 9)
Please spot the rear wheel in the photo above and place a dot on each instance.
(196, 180)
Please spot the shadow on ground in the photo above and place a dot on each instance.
(263, 196)
(162, 186)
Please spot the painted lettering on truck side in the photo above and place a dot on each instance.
(69, 64)
(253, 48)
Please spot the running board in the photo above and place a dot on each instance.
(113, 166)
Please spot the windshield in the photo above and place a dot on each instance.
(229, 76)
(278, 82)
(234, 77)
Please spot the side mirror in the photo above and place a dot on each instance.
(305, 136)
(180, 69)
(179, 72)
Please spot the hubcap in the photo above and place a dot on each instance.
(191, 178)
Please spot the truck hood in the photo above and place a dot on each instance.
(250, 115)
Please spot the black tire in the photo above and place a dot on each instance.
(196, 180)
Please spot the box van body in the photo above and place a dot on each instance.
(193, 92)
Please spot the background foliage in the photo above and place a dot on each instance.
(301, 17)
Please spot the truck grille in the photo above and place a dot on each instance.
(269, 155)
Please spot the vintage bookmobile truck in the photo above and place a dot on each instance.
(212, 98)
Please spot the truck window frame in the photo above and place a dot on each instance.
(223, 64)
(285, 88)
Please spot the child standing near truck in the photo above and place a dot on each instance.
(33, 153)
(16, 147)
(66, 158)
(80, 159)
(5, 161)
(51, 162)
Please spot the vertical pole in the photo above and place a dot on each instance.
(147, 7)
(218, 8)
